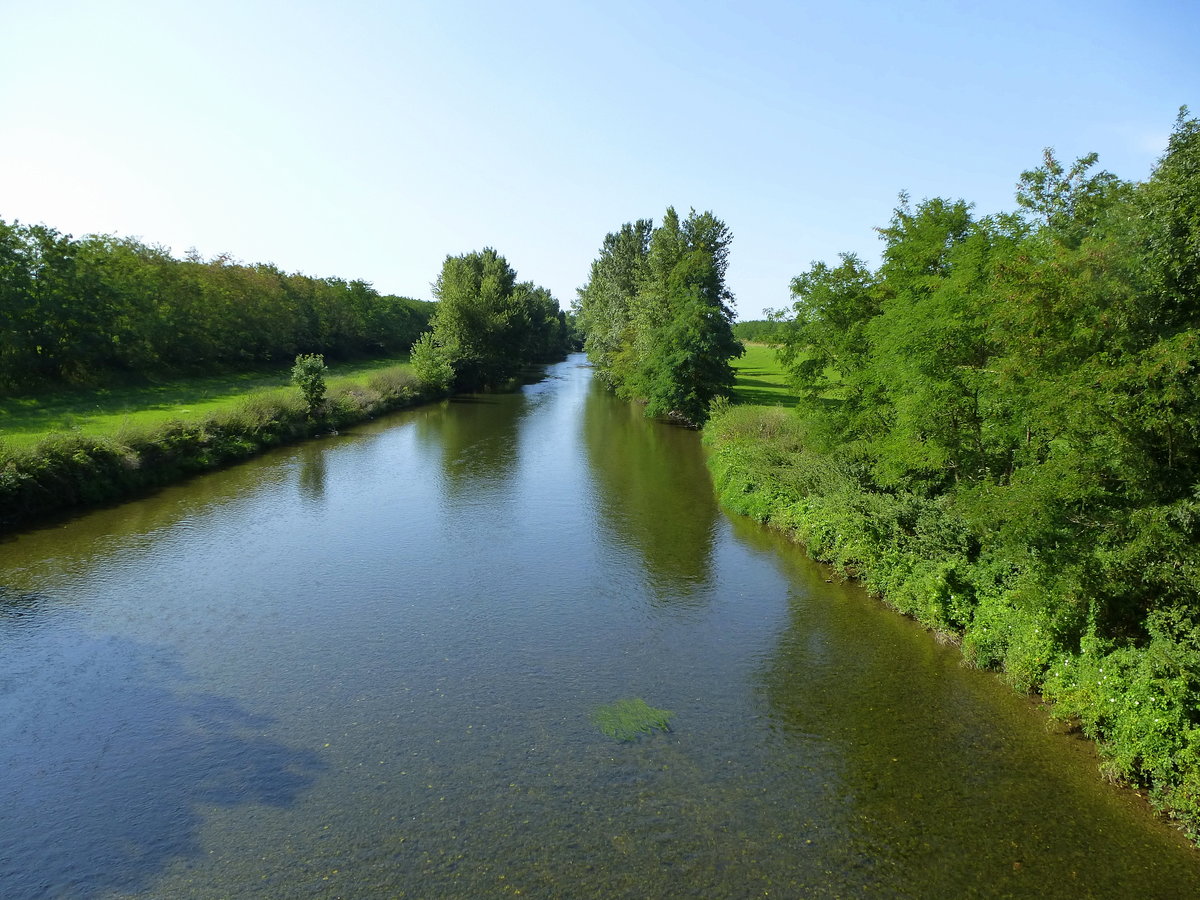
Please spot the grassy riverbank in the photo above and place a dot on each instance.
(759, 379)
(87, 448)
(147, 403)
(924, 557)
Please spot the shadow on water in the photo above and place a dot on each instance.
(109, 763)
(647, 473)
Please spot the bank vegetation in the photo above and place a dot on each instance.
(657, 316)
(105, 310)
(998, 431)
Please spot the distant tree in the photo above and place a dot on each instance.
(604, 308)
(658, 315)
(74, 310)
(308, 374)
(757, 331)
(487, 325)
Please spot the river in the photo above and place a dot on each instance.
(368, 665)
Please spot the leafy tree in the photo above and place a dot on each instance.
(658, 316)
(824, 344)
(308, 374)
(488, 326)
(605, 304)
(1070, 203)
(432, 364)
(81, 310)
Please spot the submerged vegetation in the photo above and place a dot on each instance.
(998, 431)
(657, 316)
(626, 719)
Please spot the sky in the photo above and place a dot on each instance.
(370, 140)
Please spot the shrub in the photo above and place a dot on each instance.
(308, 374)
(432, 364)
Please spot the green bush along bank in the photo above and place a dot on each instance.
(66, 471)
(998, 431)
(1139, 701)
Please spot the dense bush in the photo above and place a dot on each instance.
(999, 432)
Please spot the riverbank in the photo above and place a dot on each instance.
(919, 555)
(76, 470)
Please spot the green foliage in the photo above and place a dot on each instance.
(488, 326)
(757, 331)
(64, 471)
(87, 310)
(657, 315)
(308, 374)
(432, 365)
(626, 719)
(998, 430)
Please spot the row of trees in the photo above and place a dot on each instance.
(757, 331)
(1023, 391)
(657, 315)
(72, 310)
(488, 326)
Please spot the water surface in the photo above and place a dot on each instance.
(366, 667)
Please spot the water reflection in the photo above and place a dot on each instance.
(649, 474)
(476, 438)
(941, 759)
(313, 472)
(474, 580)
(110, 762)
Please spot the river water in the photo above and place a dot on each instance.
(368, 666)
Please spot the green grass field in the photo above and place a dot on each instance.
(106, 411)
(760, 379)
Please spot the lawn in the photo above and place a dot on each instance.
(760, 379)
(105, 411)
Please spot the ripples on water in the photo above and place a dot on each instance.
(366, 666)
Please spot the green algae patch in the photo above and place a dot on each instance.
(625, 719)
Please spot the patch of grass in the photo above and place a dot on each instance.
(625, 719)
(64, 471)
(150, 404)
(760, 379)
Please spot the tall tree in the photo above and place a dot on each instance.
(488, 325)
(657, 314)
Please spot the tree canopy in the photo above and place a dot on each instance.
(657, 315)
(1012, 403)
(488, 325)
(81, 309)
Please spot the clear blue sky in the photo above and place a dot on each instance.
(370, 140)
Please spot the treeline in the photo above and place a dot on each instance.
(78, 310)
(657, 316)
(757, 331)
(488, 326)
(999, 431)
